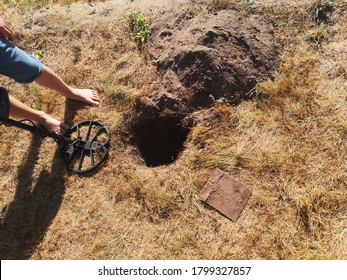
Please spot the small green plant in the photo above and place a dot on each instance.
(319, 34)
(38, 54)
(37, 104)
(36, 3)
(322, 9)
(139, 28)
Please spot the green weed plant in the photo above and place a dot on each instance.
(139, 28)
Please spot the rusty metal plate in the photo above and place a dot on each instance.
(225, 194)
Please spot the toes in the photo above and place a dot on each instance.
(88, 96)
(95, 96)
(95, 103)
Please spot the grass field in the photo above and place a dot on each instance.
(288, 144)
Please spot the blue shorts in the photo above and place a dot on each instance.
(17, 64)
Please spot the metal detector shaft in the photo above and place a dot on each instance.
(60, 139)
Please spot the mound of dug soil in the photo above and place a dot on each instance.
(207, 57)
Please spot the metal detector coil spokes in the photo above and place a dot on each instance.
(88, 147)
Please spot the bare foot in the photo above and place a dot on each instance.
(53, 125)
(50, 79)
(88, 96)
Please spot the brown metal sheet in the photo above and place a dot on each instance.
(225, 194)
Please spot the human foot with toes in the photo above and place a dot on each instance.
(88, 96)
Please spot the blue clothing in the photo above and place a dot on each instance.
(17, 64)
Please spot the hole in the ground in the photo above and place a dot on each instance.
(160, 140)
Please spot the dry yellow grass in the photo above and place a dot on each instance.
(289, 145)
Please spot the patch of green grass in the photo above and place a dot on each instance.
(38, 54)
(139, 28)
(37, 104)
(31, 3)
(40, 3)
(318, 34)
(248, 5)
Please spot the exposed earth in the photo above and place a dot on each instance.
(211, 56)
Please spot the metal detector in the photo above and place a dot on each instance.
(84, 148)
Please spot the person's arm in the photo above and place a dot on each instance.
(5, 29)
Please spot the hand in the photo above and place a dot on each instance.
(5, 30)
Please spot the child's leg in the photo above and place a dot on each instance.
(21, 110)
(50, 79)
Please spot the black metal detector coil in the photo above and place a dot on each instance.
(87, 149)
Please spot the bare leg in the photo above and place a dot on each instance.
(21, 110)
(51, 80)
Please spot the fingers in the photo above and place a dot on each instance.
(5, 30)
(6, 33)
(63, 129)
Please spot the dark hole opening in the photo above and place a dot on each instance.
(160, 140)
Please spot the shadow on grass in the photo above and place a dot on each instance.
(35, 205)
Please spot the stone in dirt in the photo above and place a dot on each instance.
(225, 194)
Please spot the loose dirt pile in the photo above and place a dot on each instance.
(210, 56)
